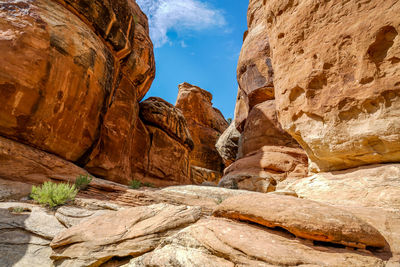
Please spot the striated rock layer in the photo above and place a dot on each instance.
(206, 124)
(337, 86)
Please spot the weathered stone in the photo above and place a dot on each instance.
(70, 216)
(336, 76)
(168, 160)
(219, 242)
(55, 76)
(129, 232)
(12, 190)
(157, 112)
(254, 70)
(369, 186)
(112, 155)
(207, 197)
(205, 124)
(227, 144)
(264, 169)
(103, 54)
(263, 129)
(200, 175)
(303, 218)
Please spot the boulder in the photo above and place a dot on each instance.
(205, 123)
(128, 232)
(303, 218)
(336, 77)
(227, 144)
(266, 168)
(219, 242)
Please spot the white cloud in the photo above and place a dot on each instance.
(178, 15)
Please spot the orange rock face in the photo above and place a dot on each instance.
(337, 82)
(72, 74)
(205, 123)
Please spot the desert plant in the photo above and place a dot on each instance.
(135, 184)
(18, 209)
(53, 195)
(229, 120)
(82, 181)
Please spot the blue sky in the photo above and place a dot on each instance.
(197, 41)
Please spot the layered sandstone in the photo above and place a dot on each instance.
(267, 156)
(337, 79)
(205, 123)
(72, 76)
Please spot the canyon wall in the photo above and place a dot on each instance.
(267, 156)
(336, 80)
(72, 76)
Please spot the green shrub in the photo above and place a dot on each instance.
(18, 209)
(135, 184)
(52, 194)
(82, 181)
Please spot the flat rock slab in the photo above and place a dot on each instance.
(25, 234)
(128, 232)
(303, 218)
(218, 242)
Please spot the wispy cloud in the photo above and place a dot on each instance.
(179, 15)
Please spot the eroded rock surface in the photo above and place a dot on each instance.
(129, 232)
(303, 218)
(72, 77)
(227, 144)
(219, 242)
(336, 76)
(205, 123)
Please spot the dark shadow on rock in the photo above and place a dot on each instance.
(14, 240)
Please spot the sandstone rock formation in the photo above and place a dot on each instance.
(227, 144)
(72, 76)
(267, 155)
(165, 146)
(303, 218)
(337, 79)
(219, 242)
(128, 232)
(206, 124)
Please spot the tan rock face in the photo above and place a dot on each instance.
(337, 79)
(369, 186)
(73, 73)
(254, 71)
(256, 118)
(133, 232)
(303, 218)
(205, 124)
(263, 129)
(219, 242)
